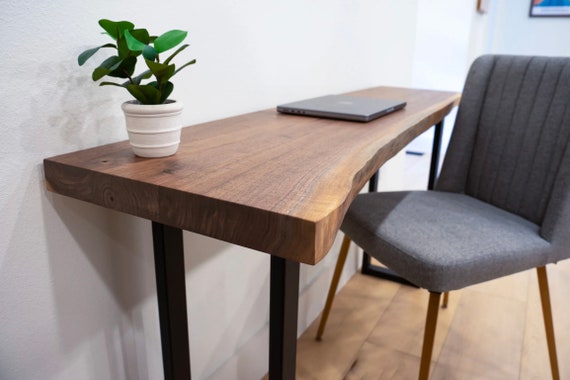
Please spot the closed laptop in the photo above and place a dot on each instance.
(344, 107)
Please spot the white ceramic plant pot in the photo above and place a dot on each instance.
(154, 130)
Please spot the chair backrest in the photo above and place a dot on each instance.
(510, 145)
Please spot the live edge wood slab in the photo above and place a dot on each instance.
(276, 183)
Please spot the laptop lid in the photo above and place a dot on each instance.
(344, 107)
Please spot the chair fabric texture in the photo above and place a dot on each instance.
(501, 204)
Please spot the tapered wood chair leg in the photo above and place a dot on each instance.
(429, 334)
(548, 324)
(334, 284)
(445, 300)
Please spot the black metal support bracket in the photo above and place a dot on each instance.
(171, 294)
(283, 309)
(381, 272)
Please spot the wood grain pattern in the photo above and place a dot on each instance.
(277, 183)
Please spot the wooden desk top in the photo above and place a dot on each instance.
(276, 183)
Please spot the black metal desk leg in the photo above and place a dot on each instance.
(171, 293)
(283, 309)
(436, 148)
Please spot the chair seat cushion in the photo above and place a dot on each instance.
(443, 241)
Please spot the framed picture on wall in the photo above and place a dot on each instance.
(549, 8)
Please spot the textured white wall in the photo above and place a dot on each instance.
(514, 32)
(77, 292)
(449, 35)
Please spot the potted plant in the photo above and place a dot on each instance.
(153, 120)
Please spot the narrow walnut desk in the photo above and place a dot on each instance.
(276, 183)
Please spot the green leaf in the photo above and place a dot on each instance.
(156, 67)
(123, 49)
(116, 28)
(145, 75)
(169, 40)
(145, 94)
(176, 53)
(141, 35)
(106, 67)
(133, 43)
(166, 91)
(111, 84)
(149, 53)
(184, 65)
(126, 68)
(83, 57)
(161, 71)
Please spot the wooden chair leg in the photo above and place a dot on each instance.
(429, 334)
(548, 324)
(445, 300)
(334, 284)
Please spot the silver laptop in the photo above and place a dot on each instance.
(344, 107)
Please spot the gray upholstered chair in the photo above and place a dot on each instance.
(501, 204)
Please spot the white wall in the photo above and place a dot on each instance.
(514, 32)
(77, 292)
(450, 34)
